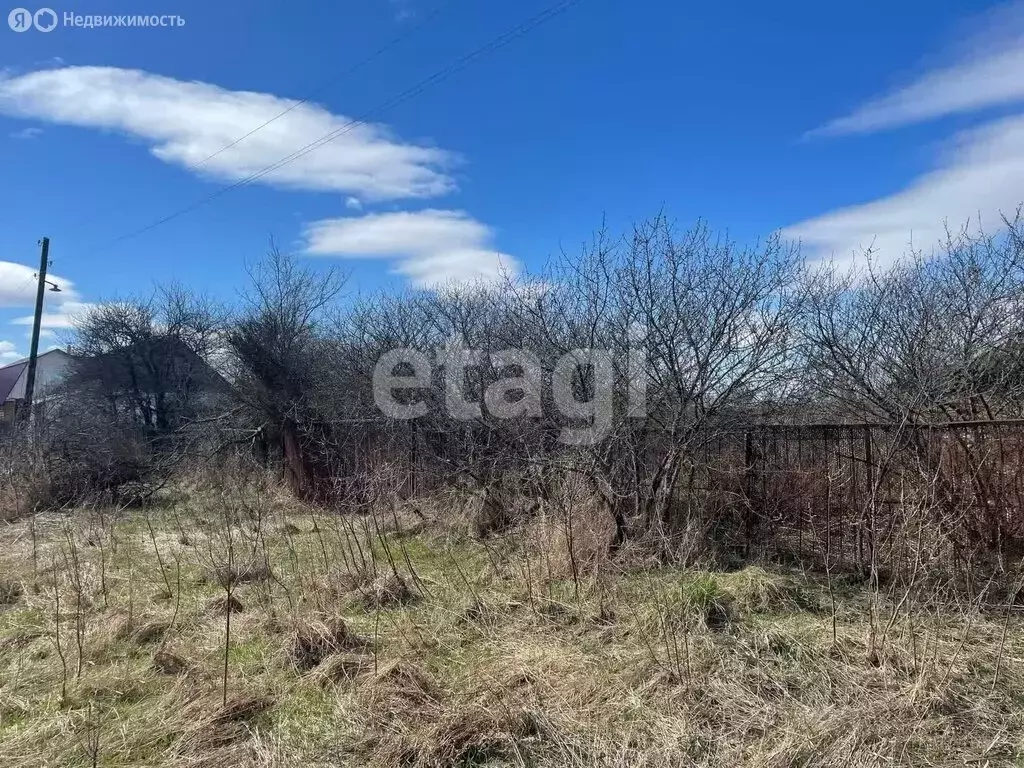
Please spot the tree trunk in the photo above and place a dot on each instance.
(296, 474)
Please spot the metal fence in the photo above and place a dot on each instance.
(855, 494)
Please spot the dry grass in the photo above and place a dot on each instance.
(222, 604)
(387, 590)
(217, 733)
(10, 592)
(340, 667)
(480, 653)
(314, 640)
(169, 663)
(227, 576)
(143, 633)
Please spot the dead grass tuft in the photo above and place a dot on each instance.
(214, 726)
(461, 736)
(557, 611)
(120, 683)
(313, 641)
(226, 577)
(10, 591)
(489, 612)
(704, 596)
(147, 632)
(414, 722)
(20, 640)
(386, 591)
(168, 663)
(755, 590)
(220, 605)
(341, 667)
(399, 686)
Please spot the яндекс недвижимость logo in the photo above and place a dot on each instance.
(47, 20)
(22, 19)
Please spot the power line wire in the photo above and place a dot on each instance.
(354, 68)
(316, 91)
(442, 74)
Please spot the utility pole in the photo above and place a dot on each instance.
(30, 375)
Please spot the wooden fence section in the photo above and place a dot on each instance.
(853, 494)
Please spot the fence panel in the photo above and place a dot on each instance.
(873, 496)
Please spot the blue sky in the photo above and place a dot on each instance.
(841, 124)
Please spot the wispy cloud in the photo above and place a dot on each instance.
(430, 247)
(186, 122)
(8, 352)
(976, 175)
(27, 133)
(18, 286)
(980, 178)
(403, 9)
(57, 318)
(988, 72)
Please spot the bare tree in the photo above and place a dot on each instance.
(149, 360)
(277, 345)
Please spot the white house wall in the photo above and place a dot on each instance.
(50, 369)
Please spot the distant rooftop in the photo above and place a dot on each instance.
(12, 372)
(24, 360)
(9, 376)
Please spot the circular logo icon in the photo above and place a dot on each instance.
(45, 20)
(20, 19)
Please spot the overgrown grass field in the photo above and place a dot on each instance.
(241, 628)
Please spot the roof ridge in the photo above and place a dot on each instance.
(24, 360)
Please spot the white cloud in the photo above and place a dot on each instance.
(8, 352)
(60, 317)
(18, 286)
(27, 133)
(432, 247)
(977, 176)
(967, 87)
(988, 72)
(186, 122)
(982, 177)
